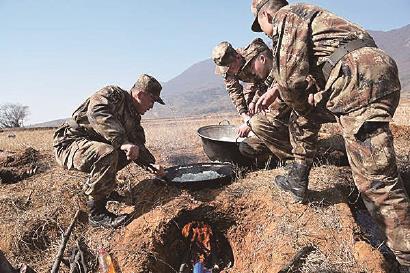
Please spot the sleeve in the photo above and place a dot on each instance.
(291, 53)
(235, 91)
(260, 89)
(101, 115)
(137, 134)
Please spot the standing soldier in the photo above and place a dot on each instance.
(102, 137)
(271, 131)
(358, 86)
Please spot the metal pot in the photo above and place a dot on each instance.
(221, 143)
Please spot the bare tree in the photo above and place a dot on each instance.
(12, 115)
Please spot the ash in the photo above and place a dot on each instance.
(205, 175)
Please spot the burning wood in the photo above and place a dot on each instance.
(201, 256)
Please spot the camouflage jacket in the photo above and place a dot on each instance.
(242, 95)
(304, 36)
(107, 116)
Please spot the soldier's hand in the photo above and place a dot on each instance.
(243, 130)
(159, 170)
(251, 108)
(245, 116)
(131, 151)
(267, 99)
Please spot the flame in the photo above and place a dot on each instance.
(200, 235)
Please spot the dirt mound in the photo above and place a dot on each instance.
(262, 228)
(15, 167)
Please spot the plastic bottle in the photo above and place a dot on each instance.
(199, 268)
(105, 262)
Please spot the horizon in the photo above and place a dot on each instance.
(55, 54)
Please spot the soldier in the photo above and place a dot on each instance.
(271, 132)
(103, 136)
(357, 85)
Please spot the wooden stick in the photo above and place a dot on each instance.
(298, 259)
(63, 244)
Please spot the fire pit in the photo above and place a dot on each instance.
(192, 238)
(200, 175)
(205, 252)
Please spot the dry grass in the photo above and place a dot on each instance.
(40, 140)
(401, 117)
(267, 227)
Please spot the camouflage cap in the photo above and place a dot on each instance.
(223, 55)
(257, 5)
(252, 50)
(149, 84)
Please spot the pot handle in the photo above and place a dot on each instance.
(226, 121)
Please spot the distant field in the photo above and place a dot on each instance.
(402, 115)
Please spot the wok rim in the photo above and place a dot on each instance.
(214, 139)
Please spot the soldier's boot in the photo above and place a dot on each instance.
(99, 216)
(295, 181)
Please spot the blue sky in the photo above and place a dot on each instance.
(53, 54)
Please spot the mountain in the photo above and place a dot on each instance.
(196, 91)
(47, 124)
(199, 91)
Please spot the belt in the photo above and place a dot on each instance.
(341, 51)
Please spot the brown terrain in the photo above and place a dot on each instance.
(258, 228)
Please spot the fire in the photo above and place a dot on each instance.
(200, 236)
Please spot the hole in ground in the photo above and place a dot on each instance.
(173, 250)
(15, 167)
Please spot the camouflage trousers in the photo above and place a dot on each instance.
(271, 135)
(370, 150)
(254, 148)
(100, 160)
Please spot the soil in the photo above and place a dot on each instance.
(259, 229)
(16, 166)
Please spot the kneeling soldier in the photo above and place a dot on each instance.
(102, 137)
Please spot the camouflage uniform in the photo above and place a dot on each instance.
(90, 142)
(360, 93)
(271, 130)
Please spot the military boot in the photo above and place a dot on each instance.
(295, 181)
(99, 216)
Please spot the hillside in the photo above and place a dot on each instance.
(397, 44)
(195, 91)
(198, 90)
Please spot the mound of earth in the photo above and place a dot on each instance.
(16, 166)
(264, 230)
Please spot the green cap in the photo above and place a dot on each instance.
(149, 84)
